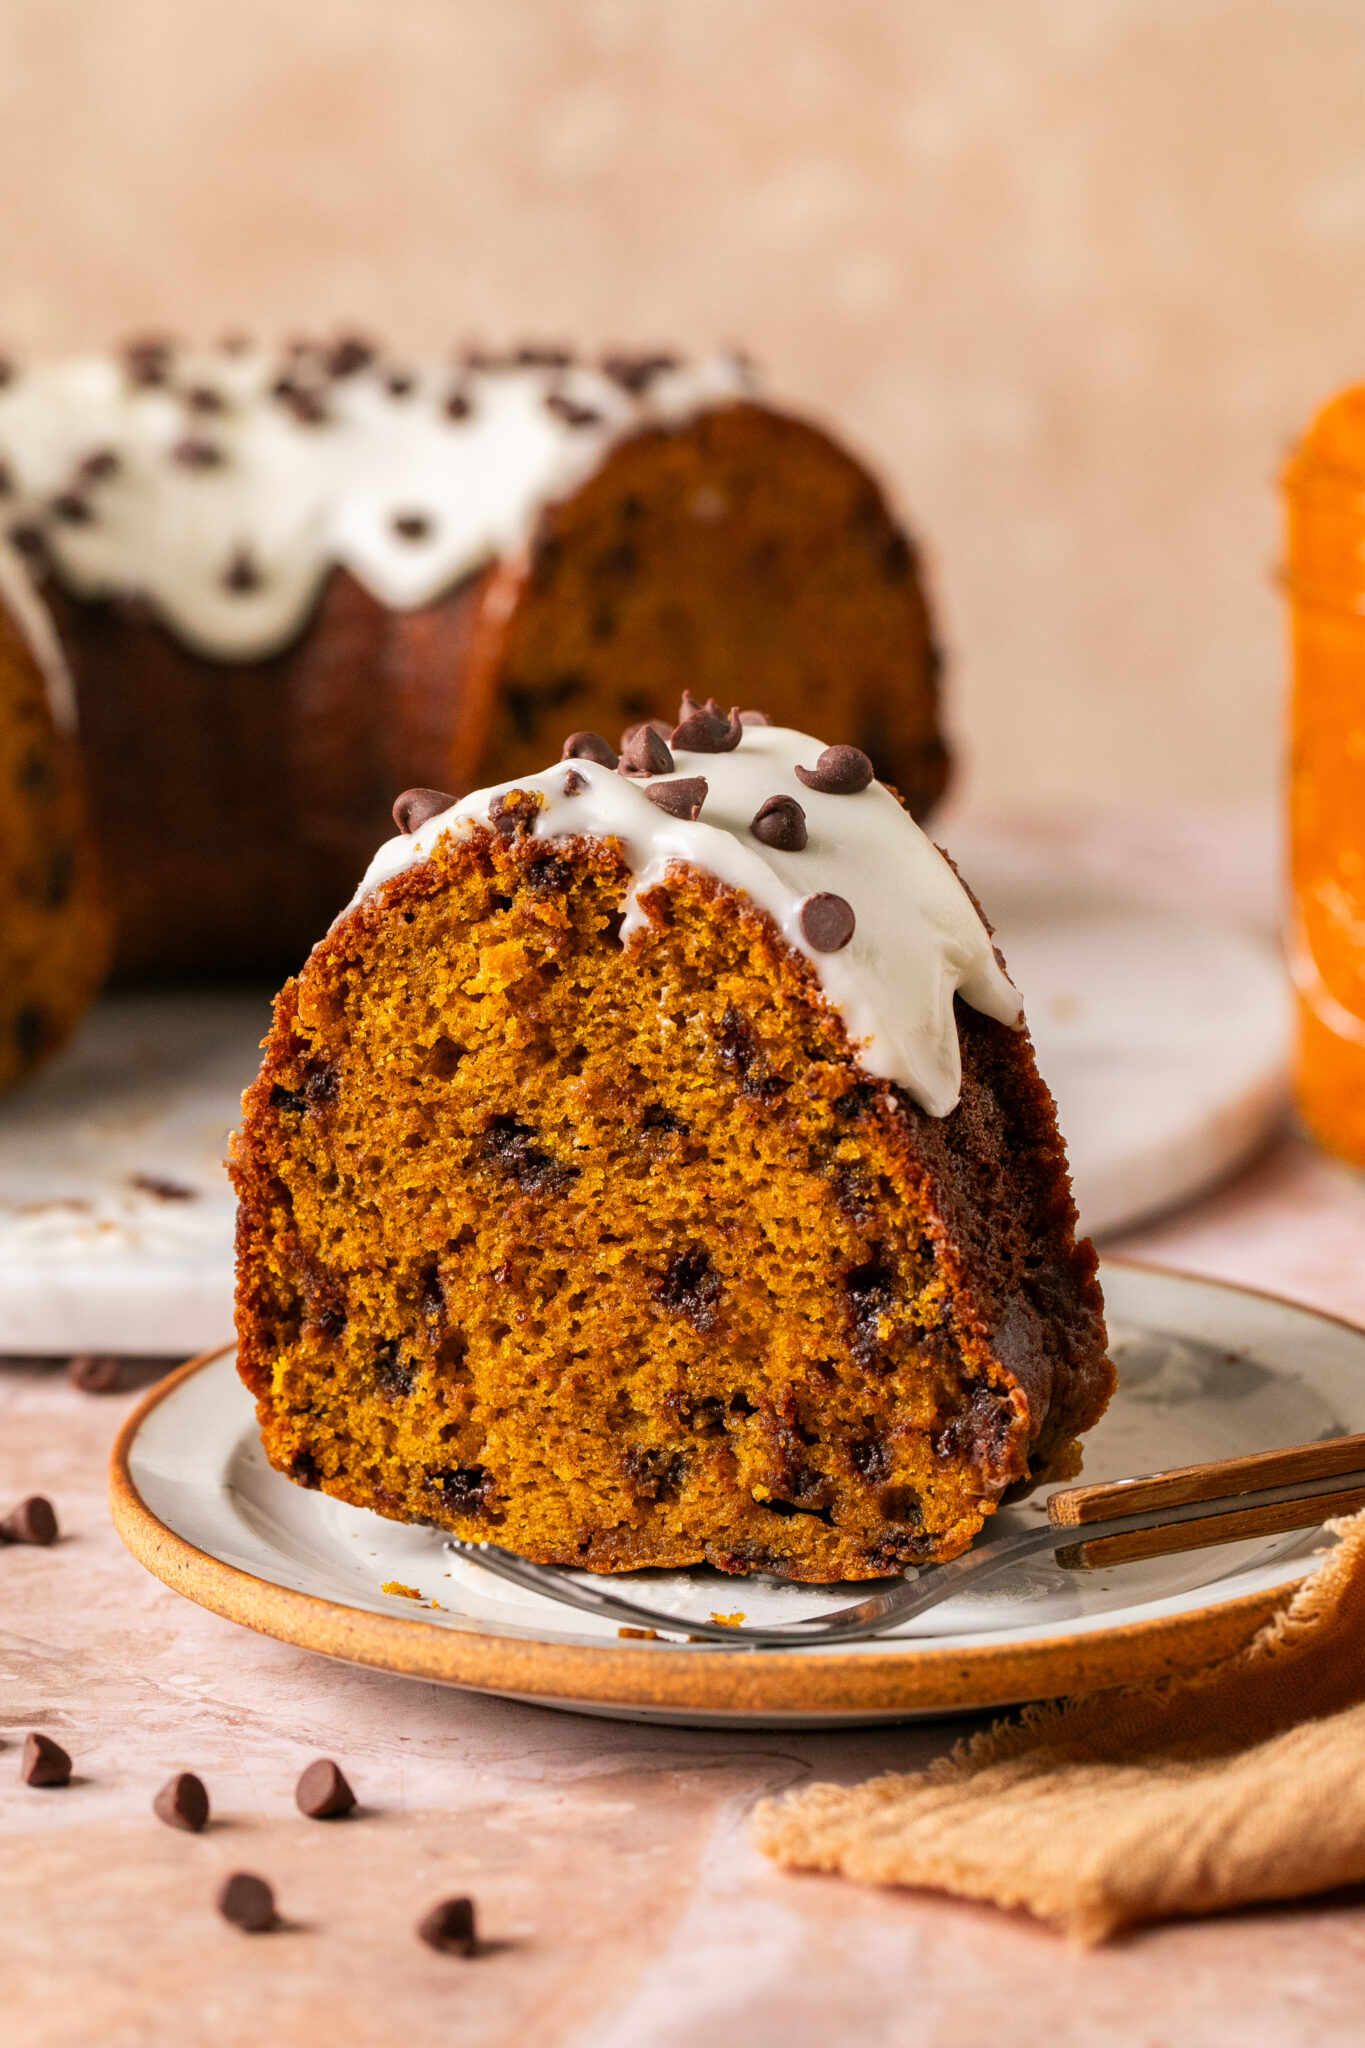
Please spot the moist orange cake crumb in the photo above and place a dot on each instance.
(575, 1216)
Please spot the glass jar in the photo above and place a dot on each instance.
(1324, 487)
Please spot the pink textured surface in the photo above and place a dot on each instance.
(610, 1862)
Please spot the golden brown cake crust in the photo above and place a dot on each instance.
(54, 921)
(618, 1257)
(743, 553)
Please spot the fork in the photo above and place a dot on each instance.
(1121, 1521)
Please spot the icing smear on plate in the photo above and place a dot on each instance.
(917, 939)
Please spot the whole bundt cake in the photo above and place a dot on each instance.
(651, 1167)
(290, 583)
(54, 922)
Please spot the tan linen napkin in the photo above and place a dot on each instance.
(1242, 1782)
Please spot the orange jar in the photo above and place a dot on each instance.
(1325, 494)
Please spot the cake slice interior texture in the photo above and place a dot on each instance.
(617, 1256)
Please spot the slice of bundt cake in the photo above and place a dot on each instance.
(651, 1167)
(54, 922)
(291, 582)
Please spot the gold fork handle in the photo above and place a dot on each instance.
(1073, 1506)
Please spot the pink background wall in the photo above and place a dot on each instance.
(1072, 271)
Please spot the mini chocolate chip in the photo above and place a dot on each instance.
(827, 922)
(512, 813)
(754, 718)
(780, 822)
(322, 1792)
(681, 799)
(703, 730)
(459, 406)
(572, 415)
(241, 573)
(636, 373)
(307, 408)
(203, 398)
(44, 1762)
(98, 1372)
(644, 751)
(411, 525)
(6, 482)
(71, 507)
(161, 1189)
(540, 355)
(29, 541)
(349, 355)
(399, 385)
(99, 465)
(183, 1802)
(588, 746)
(449, 1927)
(413, 808)
(574, 784)
(248, 1902)
(840, 771)
(33, 1521)
(148, 361)
(193, 454)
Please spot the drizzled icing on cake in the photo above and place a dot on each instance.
(917, 939)
(223, 484)
(29, 613)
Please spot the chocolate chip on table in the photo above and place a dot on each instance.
(588, 746)
(322, 1792)
(703, 730)
(33, 1521)
(681, 799)
(449, 1927)
(780, 822)
(827, 922)
(248, 1902)
(415, 806)
(840, 771)
(183, 1802)
(644, 751)
(44, 1762)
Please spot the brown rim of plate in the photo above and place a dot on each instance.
(695, 1679)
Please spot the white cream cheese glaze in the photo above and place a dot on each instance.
(917, 942)
(30, 615)
(223, 487)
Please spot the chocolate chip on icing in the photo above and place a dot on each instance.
(44, 1762)
(681, 799)
(399, 385)
(754, 718)
(635, 374)
(449, 1927)
(780, 822)
(348, 355)
(193, 454)
(241, 573)
(827, 922)
(459, 405)
(98, 466)
(574, 783)
(413, 808)
(183, 1802)
(644, 751)
(33, 1521)
(411, 525)
(572, 415)
(203, 398)
(248, 1902)
(71, 507)
(322, 1792)
(588, 746)
(703, 730)
(840, 771)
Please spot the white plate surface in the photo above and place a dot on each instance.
(1205, 1371)
(1162, 1037)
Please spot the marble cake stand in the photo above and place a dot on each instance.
(1162, 1035)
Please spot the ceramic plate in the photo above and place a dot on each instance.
(1205, 1371)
